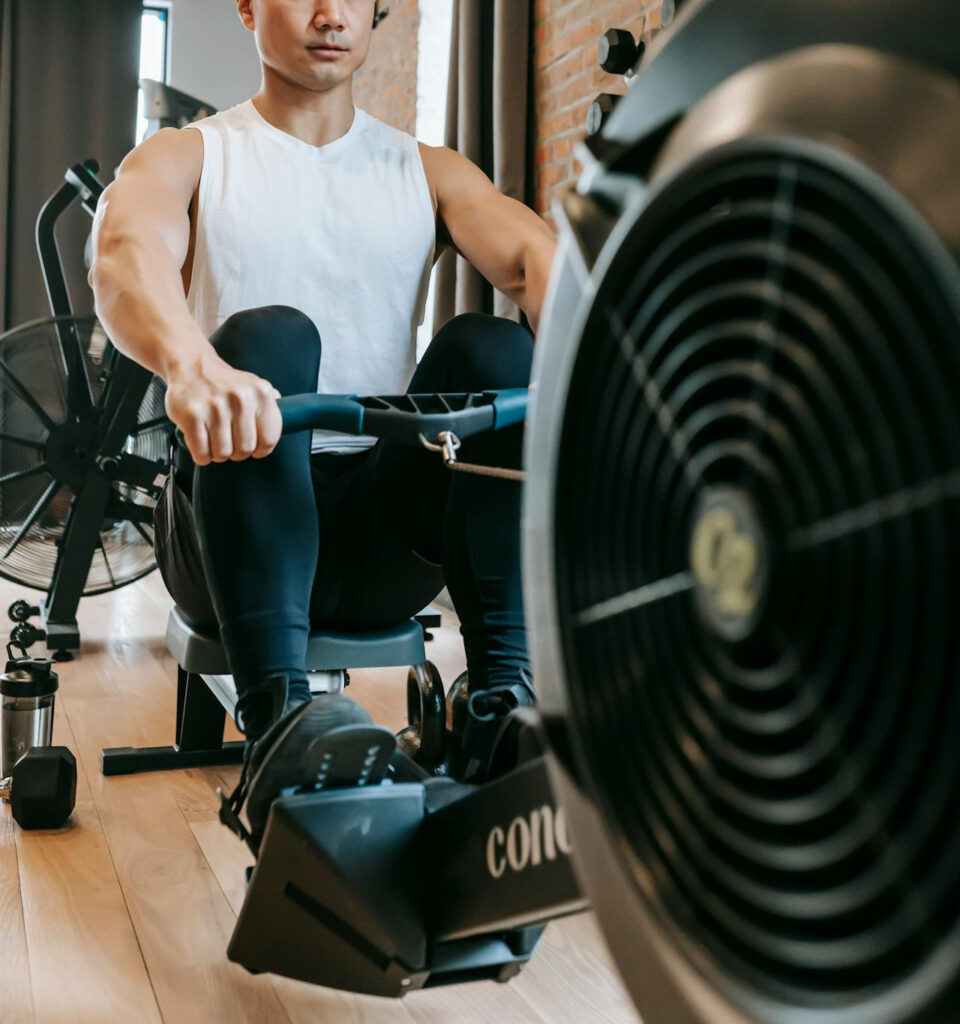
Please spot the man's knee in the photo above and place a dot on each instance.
(492, 352)
(278, 343)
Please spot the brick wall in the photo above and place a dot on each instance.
(386, 85)
(567, 79)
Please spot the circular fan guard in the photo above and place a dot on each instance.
(772, 337)
(33, 398)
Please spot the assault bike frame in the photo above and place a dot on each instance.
(89, 445)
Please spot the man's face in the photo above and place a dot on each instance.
(291, 35)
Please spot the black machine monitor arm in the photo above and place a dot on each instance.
(81, 183)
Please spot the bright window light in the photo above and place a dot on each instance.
(154, 48)
(436, 24)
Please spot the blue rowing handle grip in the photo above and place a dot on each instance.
(325, 412)
(310, 411)
(510, 407)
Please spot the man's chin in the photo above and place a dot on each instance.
(312, 79)
(326, 77)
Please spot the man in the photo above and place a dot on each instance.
(285, 246)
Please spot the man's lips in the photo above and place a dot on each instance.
(324, 46)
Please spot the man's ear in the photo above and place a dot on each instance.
(245, 10)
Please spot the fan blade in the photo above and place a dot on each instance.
(882, 510)
(26, 442)
(143, 533)
(21, 392)
(639, 598)
(127, 511)
(778, 254)
(647, 386)
(45, 499)
(106, 561)
(22, 474)
(142, 428)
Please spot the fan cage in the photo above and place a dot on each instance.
(773, 327)
(31, 361)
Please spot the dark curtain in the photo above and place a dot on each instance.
(489, 120)
(68, 91)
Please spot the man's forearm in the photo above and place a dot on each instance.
(141, 305)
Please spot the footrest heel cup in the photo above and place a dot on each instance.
(349, 756)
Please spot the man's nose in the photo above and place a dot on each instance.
(329, 14)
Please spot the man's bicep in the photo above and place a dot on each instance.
(490, 230)
(152, 192)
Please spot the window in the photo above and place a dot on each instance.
(436, 18)
(154, 53)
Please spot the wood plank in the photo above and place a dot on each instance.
(16, 997)
(569, 977)
(181, 917)
(76, 919)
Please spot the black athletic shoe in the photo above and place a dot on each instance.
(275, 760)
(262, 715)
(279, 760)
(486, 721)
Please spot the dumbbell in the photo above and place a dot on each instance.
(21, 610)
(424, 739)
(668, 11)
(618, 52)
(39, 780)
(599, 112)
(42, 789)
(25, 634)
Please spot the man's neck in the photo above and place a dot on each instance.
(314, 118)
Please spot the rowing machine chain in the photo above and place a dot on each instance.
(450, 443)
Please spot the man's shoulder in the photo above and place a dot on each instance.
(229, 117)
(386, 134)
(443, 164)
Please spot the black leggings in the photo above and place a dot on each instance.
(267, 548)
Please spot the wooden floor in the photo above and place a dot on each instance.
(125, 915)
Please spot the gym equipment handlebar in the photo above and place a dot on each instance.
(405, 417)
(408, 418)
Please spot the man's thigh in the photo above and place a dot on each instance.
(177, 551)
(383, 580)
(368, 576)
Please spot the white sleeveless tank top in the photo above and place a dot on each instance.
(343, 232)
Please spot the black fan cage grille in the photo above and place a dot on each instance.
(33, 385)
(786, 801)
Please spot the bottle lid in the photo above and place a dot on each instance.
(29, 677)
